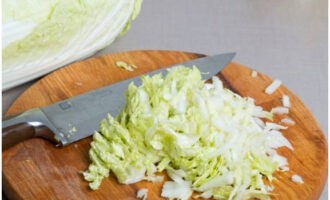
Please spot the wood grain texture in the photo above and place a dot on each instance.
(36, 169)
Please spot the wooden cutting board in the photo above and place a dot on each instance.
(36, 169)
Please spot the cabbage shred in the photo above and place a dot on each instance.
(205, 136)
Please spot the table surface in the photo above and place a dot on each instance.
(284, 39)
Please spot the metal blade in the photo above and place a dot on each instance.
(79, 117)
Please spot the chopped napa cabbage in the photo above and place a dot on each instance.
(174, 190)
(206, 137)
(297, 179)
(142, 194)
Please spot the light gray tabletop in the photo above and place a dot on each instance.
(283, 39)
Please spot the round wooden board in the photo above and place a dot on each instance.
(36, 169)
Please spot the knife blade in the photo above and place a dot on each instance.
(75, 118)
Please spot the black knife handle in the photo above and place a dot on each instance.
(14, 134)
(17, 133)
(32, 123)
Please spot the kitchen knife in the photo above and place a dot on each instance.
(76, 118)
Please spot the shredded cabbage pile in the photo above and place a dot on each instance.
(207, 138)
